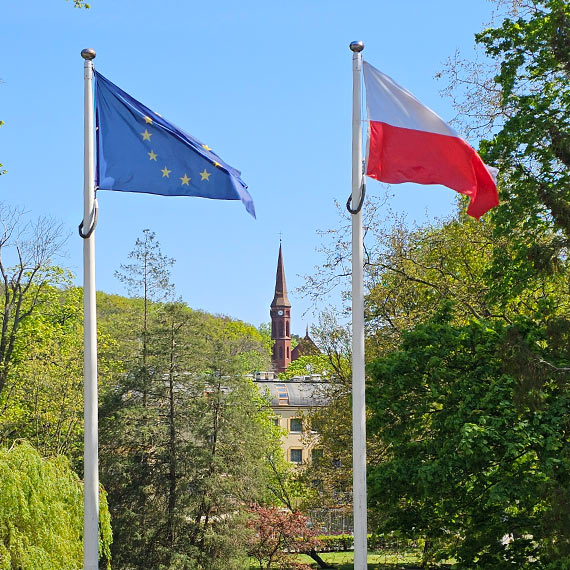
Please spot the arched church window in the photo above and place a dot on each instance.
(282, 328)
(288, 355)
(281, 352)
(287, 325)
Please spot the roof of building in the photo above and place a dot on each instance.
(306, 347)
(298, 392)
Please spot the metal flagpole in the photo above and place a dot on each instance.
(91, 463)
(358, 405)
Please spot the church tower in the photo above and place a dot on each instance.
(280, 320)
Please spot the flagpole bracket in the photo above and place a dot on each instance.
(94, 217)
(360, 202)
(362, 193)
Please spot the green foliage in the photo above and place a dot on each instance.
(264, 330)
(184, 433)
(41, 513)
(307, 365)
(336, 542)
(286, 485)
(531, 147)
(468, 438)
(44, 398)
(478, 458)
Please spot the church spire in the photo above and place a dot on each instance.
(280, 298)
(280, 312)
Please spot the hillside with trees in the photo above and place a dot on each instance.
(184, 433)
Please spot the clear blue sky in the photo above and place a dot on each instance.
(266, 84)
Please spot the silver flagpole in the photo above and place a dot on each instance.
(358, 405)
(91, 463)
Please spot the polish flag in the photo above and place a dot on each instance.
(408, 142)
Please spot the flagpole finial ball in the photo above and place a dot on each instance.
(88, 54)
(357, 46)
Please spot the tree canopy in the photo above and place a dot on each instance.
(476, 455)
(41, 513)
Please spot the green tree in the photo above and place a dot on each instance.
(147, 277)
(329, 428)
(188, 462)
(26, 251)
(184, 433)
(45, 398)
(304, 365)
(41, 513)
(477, 456)
(523, 100)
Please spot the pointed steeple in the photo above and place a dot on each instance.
(280, 298)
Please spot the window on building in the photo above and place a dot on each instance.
(276, 422)
(296, 455)
(288, 354)
(282, 328)
(287, 325)
(282, 395)
(296, 425)
(281, 352)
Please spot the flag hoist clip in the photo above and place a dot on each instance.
(93, 221)
(362, 195)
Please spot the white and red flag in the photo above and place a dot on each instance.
(408, 142)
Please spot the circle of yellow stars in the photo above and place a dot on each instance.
(184, 180)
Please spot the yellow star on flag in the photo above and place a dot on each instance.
(148, 120)
(152, 155)
(185, 180)
(217, 165)
(166, 172)
(205, 175)
(146, 135)
(206, 147)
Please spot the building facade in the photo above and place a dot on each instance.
(291, 400)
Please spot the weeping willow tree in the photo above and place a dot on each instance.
(41, 513)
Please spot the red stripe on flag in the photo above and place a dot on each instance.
(404, 155)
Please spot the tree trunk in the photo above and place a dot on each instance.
(172, 450)
(314, 555)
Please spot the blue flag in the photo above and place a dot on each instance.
(139, 151)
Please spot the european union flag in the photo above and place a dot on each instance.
(139, 151)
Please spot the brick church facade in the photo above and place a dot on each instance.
(280, 312)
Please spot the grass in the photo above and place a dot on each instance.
(376, 561)
(384, 560)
